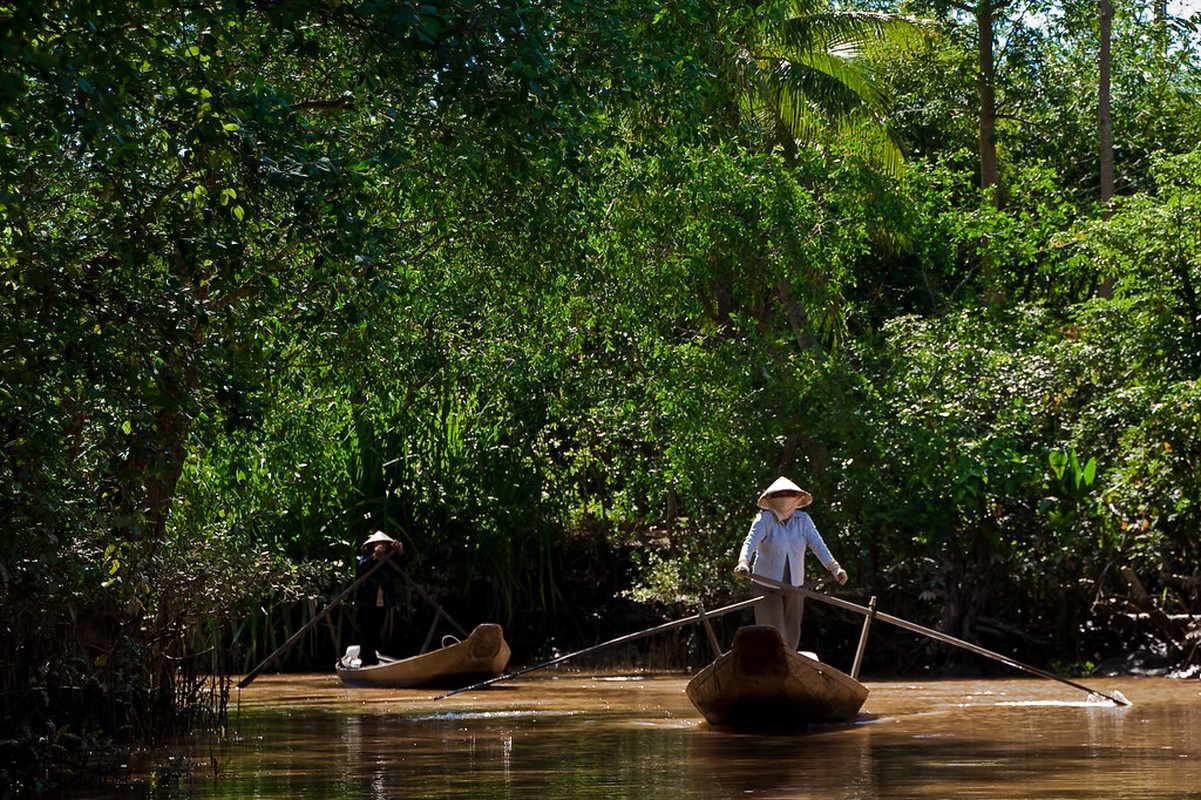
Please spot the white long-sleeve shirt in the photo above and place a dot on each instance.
(773, 544)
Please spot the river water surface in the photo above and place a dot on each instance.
(580, 736)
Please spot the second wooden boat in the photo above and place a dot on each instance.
(482, 655)
(762, 683)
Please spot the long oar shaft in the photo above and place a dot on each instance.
(254, 673)
(438, 609)
(629, 637)
(942, 637)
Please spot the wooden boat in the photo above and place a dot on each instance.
(482, 655)
(762, 683)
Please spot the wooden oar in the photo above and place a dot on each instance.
(439, 611)
(942, 637)
(254, 673)
(701, 617)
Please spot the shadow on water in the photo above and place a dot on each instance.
(772, 727)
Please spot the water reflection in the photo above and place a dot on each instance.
(827, 763)
(583, 737)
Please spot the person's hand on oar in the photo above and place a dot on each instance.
(743, 570)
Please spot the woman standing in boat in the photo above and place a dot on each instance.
(376, 594)
(776, 546)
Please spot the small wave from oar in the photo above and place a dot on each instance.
(467, 715)
(1115, 700)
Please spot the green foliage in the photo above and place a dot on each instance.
(804, 74)
(1154, 488)
(1046, 87)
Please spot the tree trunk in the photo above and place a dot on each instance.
(989, 173)
(798, 320)
(1104, 120)
(1160, 31)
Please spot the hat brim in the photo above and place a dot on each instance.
(781, 485)
(374, 539)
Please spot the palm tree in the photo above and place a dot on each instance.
(805, 76)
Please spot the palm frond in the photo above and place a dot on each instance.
(832, 83)
(809, 75)
(852, 32)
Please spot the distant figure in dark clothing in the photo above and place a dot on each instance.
(376, 594)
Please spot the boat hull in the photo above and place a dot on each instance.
(762, 683)
(482, 655)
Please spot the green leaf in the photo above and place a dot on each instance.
(1090, 472)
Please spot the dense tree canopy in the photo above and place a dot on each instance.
(526, 286)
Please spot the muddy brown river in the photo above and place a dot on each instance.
(576, 735)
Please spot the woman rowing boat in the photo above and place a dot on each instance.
(775, 549)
